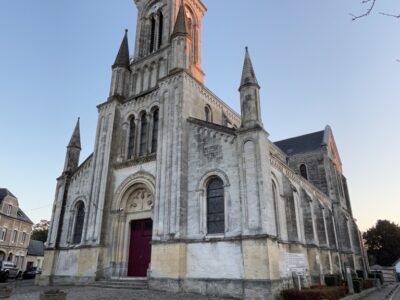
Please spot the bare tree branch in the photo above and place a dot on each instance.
(390, 15)
(370, 9)
(368, 12)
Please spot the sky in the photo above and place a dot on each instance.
(314, 64)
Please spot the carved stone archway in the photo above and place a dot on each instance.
(133, 201)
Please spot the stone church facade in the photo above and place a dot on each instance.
(184, 191)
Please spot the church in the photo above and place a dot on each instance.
(184, 193)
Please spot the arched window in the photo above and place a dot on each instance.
(303, 171)
(79, 219)
(152, 34)
(215, 206)
(160, 28)
(275, 199)
(143, 135)
(131, 140)
(154, 139)
(208, 113)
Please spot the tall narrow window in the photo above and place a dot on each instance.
(275, 199)
(303, 171)
(143, 135)
(208, 115)
(14, 236)
(23, 238)
(195, 46)
(152, 34)
(154, 139)
(79, 219)
(160, 28)
(131, 140)
(215, 206)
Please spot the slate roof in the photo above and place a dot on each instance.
(302, 144)
(36, 248)
(22, 216)
(5, 192)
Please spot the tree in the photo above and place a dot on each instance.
(39, 235)
(383, 242)
(40, 231)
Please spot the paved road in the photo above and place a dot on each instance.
(384, 293)
(26, 290)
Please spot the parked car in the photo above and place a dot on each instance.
(31, 273)
(9, 269)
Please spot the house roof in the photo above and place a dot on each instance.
(5, 192)
(302, 144)
(23, 217)
(36, 248)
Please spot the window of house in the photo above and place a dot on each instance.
(143, 135)
(155, 132)
(14, 236)
(79, 220)
(23, 238)
(303, 171)
(215, 206)
(131, 140)
(9, 209)
(3, 234)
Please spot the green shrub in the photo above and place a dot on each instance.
(316, 293)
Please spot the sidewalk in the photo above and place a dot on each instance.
(94, 293)
(388, 292)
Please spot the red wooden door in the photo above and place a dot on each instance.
(140, 247)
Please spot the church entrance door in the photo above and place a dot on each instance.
(140, 247)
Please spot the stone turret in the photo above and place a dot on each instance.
(73, 151)
(180, 40)
(249, 95)
(121, 71)
(185, 44)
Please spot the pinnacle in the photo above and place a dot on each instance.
(122, 59)
(76, 137)
(180, 24)
(248, 74)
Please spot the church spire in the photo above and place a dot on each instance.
(121, 71)
(180, 27)
(73, 151)
(250, 96)
(248, 74)
(75, 141)
(122, 59)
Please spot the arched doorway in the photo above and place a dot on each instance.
(133, 226)
(2, 255)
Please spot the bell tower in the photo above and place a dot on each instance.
(169, 31)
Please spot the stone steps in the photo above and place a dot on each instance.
(122, 283)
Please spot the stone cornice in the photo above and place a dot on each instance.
(213, 126)
(136, 161)
(305, 184)
(83, 166)
(212, 98)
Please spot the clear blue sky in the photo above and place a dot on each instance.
(315, 67)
